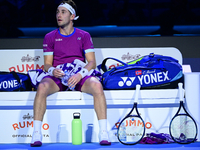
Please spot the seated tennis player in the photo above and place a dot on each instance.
(61, 46)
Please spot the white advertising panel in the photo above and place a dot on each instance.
(21, 60)
(17, 125)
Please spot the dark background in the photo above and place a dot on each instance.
(19, 14)
(111, 23)
(41, 13)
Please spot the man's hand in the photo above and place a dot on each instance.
(73, 80)
(58, 73)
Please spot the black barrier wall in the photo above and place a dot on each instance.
(188, 46)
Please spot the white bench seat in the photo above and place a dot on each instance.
(113, 97)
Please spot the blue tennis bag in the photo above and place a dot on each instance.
(150, 71)
(14, 81)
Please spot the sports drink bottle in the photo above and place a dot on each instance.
(76, 129)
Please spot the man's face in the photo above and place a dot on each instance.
(63, 16)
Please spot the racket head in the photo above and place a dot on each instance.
(183, 129)
(131, 129)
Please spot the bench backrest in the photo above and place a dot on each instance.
(22, 60)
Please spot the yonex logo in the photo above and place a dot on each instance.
(9, 84)
(126, 81)
(153, 78)
(145, 79)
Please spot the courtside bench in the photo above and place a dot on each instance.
(156, 107)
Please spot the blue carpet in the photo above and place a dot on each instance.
(114, 146)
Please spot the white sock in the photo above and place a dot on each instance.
(103, 132)
(37, 126)
(103, 125)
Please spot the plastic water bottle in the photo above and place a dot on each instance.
(65, 79)
(76, 129)
(123, 133)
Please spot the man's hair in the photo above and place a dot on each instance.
(71, 3)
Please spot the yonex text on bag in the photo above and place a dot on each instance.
(14, 81)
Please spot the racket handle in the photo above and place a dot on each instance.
(137, 92)
(180, 87)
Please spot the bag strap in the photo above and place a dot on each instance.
(103, 65)
(15, 75)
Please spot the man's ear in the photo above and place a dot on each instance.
(72, 17)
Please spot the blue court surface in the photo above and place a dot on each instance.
(114, 146)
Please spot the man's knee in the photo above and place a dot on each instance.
(97, 86)
(43, 87)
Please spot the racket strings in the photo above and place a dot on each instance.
(131, 130)
(183, 129)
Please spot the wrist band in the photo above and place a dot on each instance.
(50, 71)
(83, 72)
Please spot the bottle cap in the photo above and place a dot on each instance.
(77, 115)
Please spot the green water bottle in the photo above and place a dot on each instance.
(76, 129)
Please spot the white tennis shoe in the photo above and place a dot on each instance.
(104, 138)
(36, 139)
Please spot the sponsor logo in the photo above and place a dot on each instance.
(25, 67)
(134, 122)
(28, 117)
(29, 58)
(133, 134)
(125, 57)
(27, 135)
(130, 57)
(144, 79)
(131, 122)
(58, 40)
(28, 123)
(79, 38)
(153, 78)
(9, 84)
(126, 81)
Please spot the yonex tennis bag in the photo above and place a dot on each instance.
(150, 71)
(14, 81)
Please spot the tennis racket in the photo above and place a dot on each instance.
(132, 128)
(183, 128)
